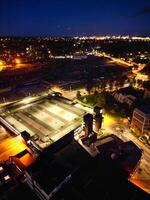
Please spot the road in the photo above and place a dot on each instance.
(117, 60)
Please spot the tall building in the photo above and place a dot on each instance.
(141, 119)
(88, 123)
(98, 118)
(98, 123)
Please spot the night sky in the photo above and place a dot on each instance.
(74, 17)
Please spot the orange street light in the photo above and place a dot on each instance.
(1, 63)
(17, 61)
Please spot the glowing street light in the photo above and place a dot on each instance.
(1, 63)
(17, 61)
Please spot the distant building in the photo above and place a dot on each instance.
(141, 119)
(88, 124)
(79, 56)
(126, 95)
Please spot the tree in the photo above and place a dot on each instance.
(85, 100)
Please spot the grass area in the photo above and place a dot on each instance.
(93, 100)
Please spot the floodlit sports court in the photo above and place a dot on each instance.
(49, 116)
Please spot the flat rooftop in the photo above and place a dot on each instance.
(48, 117)
(91, 177)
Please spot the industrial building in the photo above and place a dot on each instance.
(45, 118)
(68, 172)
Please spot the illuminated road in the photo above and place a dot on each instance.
(70, 94)
(117, 60)
(136, 72)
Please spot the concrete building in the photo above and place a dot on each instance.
(141, 119)
(98, 123)
(47, 177)
(88, 124)
(98, 118)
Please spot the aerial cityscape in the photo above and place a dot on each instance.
(75, 100)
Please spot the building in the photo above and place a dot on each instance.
(126, 95)
(88, 123)
(9, 174)
(126, 154)
(55, 168)
(98, 118)
(71, 173)
(141, 119)
(47, 177)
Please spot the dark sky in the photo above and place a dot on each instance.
(74, 17)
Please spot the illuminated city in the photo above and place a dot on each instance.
(75, 100)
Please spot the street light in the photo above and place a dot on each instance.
(17, 61)
(1, 63)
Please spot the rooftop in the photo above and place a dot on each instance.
(52, 169)
(91, 177)
(48, 117)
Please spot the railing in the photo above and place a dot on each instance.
(10, 127)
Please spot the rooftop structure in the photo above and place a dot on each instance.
(55, 168)
(125, 154)
(70, 173)
(46, 118)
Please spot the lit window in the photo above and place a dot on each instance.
(6, 177)
(1, 169)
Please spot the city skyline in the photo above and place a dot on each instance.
(65, 18)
